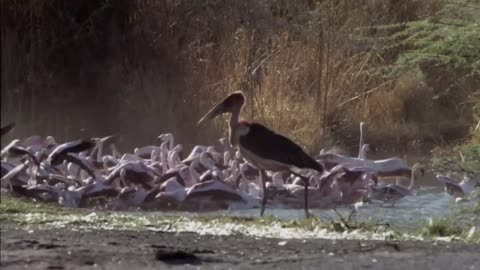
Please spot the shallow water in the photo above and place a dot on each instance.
(429, 201)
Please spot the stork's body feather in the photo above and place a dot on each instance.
(275, 149)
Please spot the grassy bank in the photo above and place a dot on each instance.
(462, 160)
(311, 69)
(36, 215)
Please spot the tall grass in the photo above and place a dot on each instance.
(475, 129)
(147, 67)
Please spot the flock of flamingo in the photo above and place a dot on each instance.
(253, 168)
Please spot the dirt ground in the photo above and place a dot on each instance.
(66, 248)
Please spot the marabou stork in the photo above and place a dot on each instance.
(261, 146)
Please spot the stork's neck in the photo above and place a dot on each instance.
(235, 115)
(234, 119)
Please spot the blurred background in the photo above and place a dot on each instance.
(311, 69)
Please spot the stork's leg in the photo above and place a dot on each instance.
(307, 214)
(263, 177)
(353, 214)
(305, 203)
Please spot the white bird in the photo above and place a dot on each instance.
(171, 191)
(167, 138)
(100, 143)
(361, 155)
(173, 158)
(145, 151)
(384, 167)
(5, 150)
(394, 192)
(133, 196)
(37, 143)
(17, 173)
(364, 150)
(213, 192)
(455, 188)
(69, 197)
(195, 153)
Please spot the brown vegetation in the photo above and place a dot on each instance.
(141, 68)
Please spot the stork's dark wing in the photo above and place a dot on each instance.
(21, 151)
(83, 145)
(269, 145)
(7, 128)
(57, 155)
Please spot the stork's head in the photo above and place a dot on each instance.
(230, 103)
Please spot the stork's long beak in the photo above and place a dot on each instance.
(235, 100)
(215, 111)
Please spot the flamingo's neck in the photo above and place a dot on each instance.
(412, 177)
(363, 151)
(360, 144)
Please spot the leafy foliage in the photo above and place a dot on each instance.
(449, 37)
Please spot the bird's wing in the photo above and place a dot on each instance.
(80, 163)
(398, 189)
(447, 180)
(269, 145)
(169, 175)
(17, 150)
(69, 147)
(14, 172)
(82, 145)
(7, 128)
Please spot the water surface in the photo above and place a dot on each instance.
(430, 201)
(411, 211)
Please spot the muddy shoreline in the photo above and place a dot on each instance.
(66, 248)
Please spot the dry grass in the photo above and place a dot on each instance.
(140, 69)
(475, 129)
